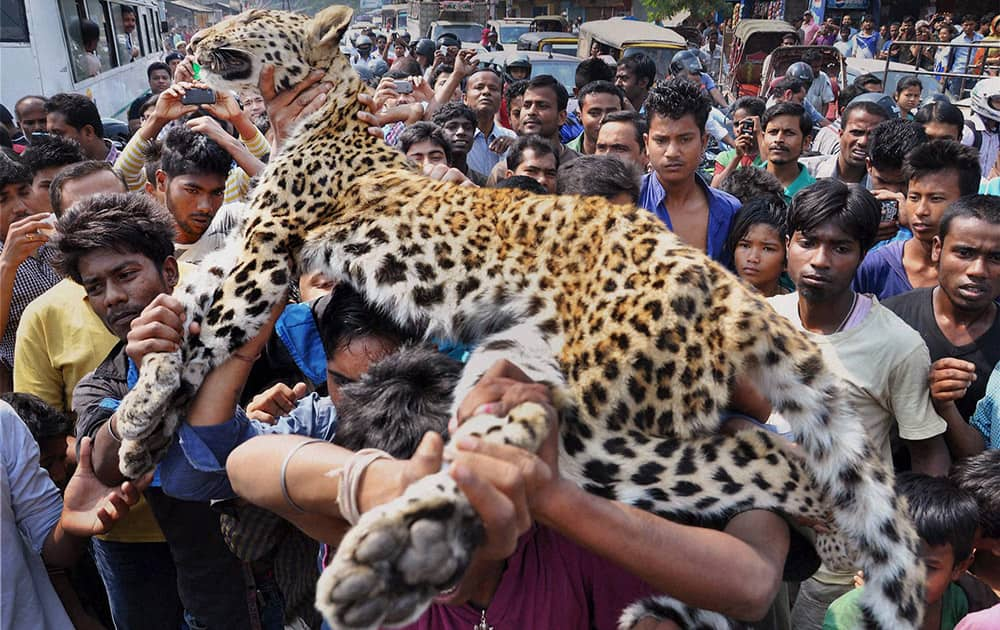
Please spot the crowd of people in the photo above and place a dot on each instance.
(876, 231)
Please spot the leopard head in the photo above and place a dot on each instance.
(233, 52)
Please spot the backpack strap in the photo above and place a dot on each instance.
(977, 135)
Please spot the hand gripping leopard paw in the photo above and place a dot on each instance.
(400, 555)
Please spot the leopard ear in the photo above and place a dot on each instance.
(328, 27)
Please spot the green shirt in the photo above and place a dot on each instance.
(845, 613)
(723, 159)
(804, 179)
(576, 144)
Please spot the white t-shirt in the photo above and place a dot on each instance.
(888, 393)
(29, 508)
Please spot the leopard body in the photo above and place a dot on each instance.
(640, 335)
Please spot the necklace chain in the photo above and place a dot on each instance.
(483, 625)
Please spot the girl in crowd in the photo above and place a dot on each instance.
(757, 244)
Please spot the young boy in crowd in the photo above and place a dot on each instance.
(978, 476)
(946, 518)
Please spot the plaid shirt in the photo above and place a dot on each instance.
(34, 277)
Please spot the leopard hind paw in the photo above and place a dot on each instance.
(400, 555)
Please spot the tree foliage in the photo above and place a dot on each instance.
(663, 9)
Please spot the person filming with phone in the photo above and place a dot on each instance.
(746, 113)
(206, 112)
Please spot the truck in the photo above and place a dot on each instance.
(464, 18)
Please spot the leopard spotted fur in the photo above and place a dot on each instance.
(640, 335)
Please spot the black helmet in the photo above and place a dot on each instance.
(446, 40)
(800, 71)
(424, 47)
(685, 62)
(518, 61)
(882, 100)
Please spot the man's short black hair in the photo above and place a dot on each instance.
(593, 69)
(454, 109)
(944, 155)
(867, 78)
(968, 17)
(535, 143)
(51, 151)
(515, 89)
(128, 223)
(77, 171)
(769, 210)
(789, 83)
(849, 207)
(982, 207)
(522, 182)
(156, 65)
(847, 94)
(788, 108)
(78, 110)
(187, 152)
(750, 183)
(633, 118)
(752, 105)
(890, 141)
(42, 419)
(549, 82)
(601, 87)
(347, 317)
(942, 512)
(424, 131)
(599, 176)
(399, 399)
(868, 107)
(675, 99)
(978, 476)
(13, 170)
(641, 66)
(485, 68)
(444, 68)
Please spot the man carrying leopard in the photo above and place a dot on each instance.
(639, 335)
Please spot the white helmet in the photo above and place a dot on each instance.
(986, 98)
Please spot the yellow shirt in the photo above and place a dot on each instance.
(59, 341)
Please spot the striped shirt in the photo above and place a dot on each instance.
(131, 160)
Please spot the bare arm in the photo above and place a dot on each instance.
(962, 438)
(929, 456)
(22, 240)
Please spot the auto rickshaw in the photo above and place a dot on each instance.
(549, 41)
(828, 59)
(620, 38)
(753, 41)
(550, 23)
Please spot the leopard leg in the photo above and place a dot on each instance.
(663, 608)
(865, 508)
(400, 555)
(228, 315)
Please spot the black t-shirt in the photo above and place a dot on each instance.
(916, 308)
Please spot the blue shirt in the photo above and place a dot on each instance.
(882, 274)
(194, 468)
(480, 158)
(722, 207)
(986, 417)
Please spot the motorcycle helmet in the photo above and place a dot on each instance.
(986, 99)
(424, 47)
(685, 62)
(882, 100)
(800, 71)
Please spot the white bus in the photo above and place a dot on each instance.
(82, 46)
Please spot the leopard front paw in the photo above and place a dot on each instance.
(144, 408)
(664, 608)
(399, 556)
(138, 457)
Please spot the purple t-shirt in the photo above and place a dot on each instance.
(882, 273)
(550, 583)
